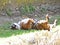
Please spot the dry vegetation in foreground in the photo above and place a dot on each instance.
(43, 37)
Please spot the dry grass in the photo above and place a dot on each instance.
(43, 37)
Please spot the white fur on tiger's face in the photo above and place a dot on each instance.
(15, 26)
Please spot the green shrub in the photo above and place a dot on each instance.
(55, 17)
(27, 9)
(43, 10)
(9, 12)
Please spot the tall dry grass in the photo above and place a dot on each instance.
(20, 2)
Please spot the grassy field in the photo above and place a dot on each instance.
(5, 31)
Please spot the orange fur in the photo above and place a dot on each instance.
(43, 24)
(27, 25)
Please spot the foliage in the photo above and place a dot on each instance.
(3, 3)
(43, 10)
(27, 9)
(55, 17)
(21, 2)
(8, 12)
(5, 30)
